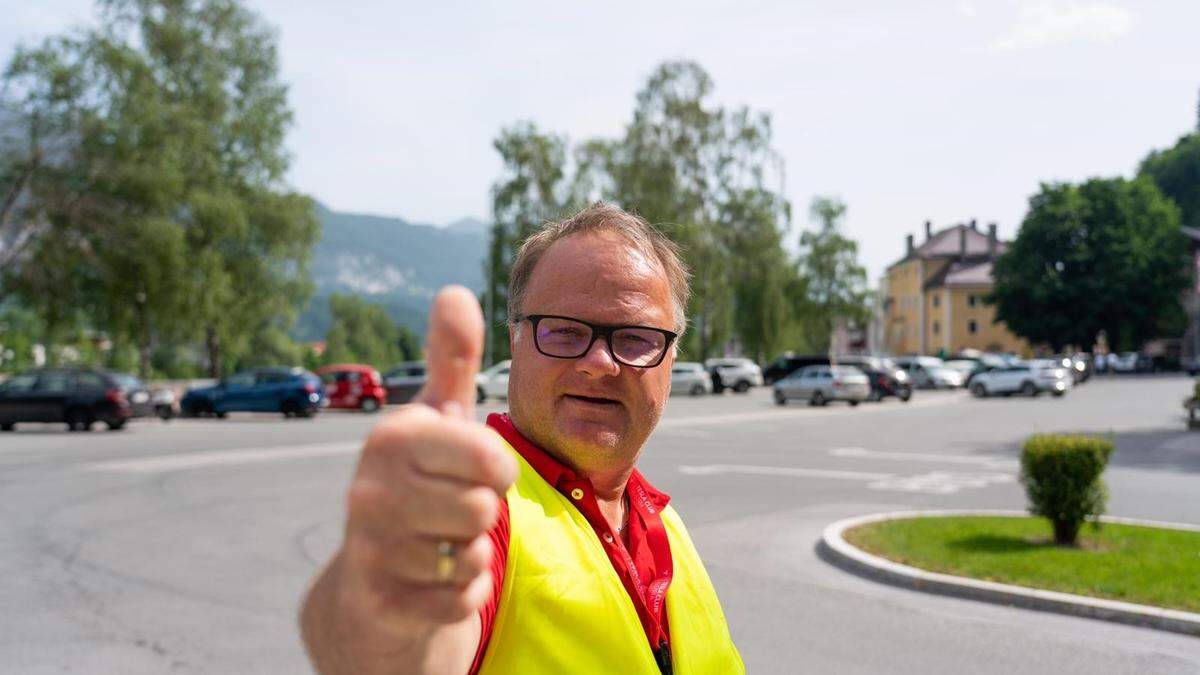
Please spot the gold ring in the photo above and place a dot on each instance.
(446, 562)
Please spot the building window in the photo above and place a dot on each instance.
(972, 327)
(971, 300)
(937, 301)
(937, 327)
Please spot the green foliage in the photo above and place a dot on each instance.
(1061, 474)
(707, 175)
(154, 145)
(835, 284)
(1176, 171)
(363, 333)
(20, 330)
(1106, 255)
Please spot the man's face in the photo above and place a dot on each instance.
(591, 412)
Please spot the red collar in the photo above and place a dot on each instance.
(556, 473)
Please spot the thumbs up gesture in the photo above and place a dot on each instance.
(403, 591)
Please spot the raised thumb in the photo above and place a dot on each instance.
(453, 349)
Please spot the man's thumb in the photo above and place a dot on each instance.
(453, 349)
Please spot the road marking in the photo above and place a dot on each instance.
(710, 469)
(942, 482)
(988, 462)
(936, 482)
(196, 460)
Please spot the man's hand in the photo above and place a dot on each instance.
(428, 475)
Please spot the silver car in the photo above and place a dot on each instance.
(821, 384)
(690, 378)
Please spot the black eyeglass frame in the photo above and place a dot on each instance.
(598, 331)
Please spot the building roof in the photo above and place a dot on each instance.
(953, 242)
(970, 274)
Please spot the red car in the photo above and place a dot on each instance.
(354, 386)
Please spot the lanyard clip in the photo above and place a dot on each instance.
(663, 656)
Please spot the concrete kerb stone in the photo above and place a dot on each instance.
(834, 548)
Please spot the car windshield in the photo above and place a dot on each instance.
(125, 381)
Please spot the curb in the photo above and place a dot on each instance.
(834, 549)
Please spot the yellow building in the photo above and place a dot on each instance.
(933, 297)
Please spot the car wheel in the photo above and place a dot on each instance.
(1029, 389)
(979, 390)
(818, 399)
(480, 395)
(78, 420)
(165, 412)
(696, 390)
(741, 387)
(853, 404)
(1057, 394)
(220, 414)
(7, 426)
(116, 425)
(369, 405)
(780, 399)
(290, 409)
(905, 395)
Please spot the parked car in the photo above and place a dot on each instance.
(737, 374)
(1125, 362)
(821, 384)
(295, 392)
(493, 382)
(886, 378)
(1028, 379)
(165, 404)
(141, 400)
(353, 386)
(690, 378)
(404, 381)
(930, 372)
(77, 397)
(787, 364)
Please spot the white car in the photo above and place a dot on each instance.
(690, 378)
(1028, 379)
(930, 372)
(821, 384)
(493, 382)
(738, 374)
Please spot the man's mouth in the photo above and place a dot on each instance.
(595, 400)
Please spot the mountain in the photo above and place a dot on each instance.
(390, 262)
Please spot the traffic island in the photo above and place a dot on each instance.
(1136, 572)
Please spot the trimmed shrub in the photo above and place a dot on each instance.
(1061, 475)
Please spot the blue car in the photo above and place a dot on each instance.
(295, 392)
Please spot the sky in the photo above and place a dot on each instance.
(945, 110)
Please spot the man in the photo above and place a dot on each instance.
(581, 566)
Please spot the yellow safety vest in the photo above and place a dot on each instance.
(564, 611)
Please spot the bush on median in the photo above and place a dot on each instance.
(1061, 475)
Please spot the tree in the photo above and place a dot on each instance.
(532, 190)
(703, 173)
(834, 284)
(1176, 171)
(1106, 255)
(166, 209)
(364, 333)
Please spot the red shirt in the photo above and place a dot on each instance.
(642, 559)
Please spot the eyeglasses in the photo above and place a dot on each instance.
(561, 337)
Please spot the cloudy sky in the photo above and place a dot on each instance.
(939, 109)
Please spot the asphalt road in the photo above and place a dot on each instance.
(185, 546)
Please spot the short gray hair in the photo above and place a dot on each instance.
(601, 217)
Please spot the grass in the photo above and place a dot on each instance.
(1144, 565)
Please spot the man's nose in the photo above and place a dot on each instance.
(598, 361)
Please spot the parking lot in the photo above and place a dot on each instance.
(185, 546)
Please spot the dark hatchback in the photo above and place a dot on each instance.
(77, 397)
(295, 392)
